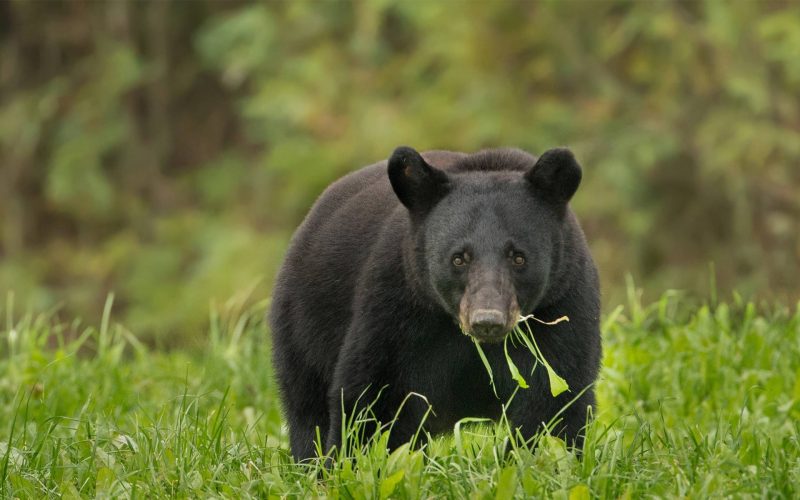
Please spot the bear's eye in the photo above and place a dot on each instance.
(459, 260)
(518, 259)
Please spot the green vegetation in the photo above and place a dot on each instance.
(164, 151)
(519, 337)
(694, 401)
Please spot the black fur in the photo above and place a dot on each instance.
(394, 256)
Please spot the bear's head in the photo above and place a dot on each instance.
(488, 234)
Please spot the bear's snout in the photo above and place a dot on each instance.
(488, 313)
(488, 325)
(488, 309)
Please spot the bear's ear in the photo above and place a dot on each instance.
(555, 176)
(418, 185)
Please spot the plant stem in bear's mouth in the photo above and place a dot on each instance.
(486, 364)
(557, 384)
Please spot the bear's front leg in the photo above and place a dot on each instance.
(363, 409)
(358, 381)
(352, 405)
(368, 391)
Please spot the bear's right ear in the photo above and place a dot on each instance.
(418, 185)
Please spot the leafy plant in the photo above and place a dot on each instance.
(526, 338)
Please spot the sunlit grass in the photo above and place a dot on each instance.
(693, 401)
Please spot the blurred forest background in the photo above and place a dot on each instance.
(165, 151)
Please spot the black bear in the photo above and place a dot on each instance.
(398, 260)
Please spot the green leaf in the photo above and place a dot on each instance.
(579, 492)
(486, 365)
(557, 384)
(389, 484)
(506, 483)
(513, 368)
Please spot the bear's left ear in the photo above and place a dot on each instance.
(418, 185)
(555, 176)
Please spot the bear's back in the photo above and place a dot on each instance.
(368, 192)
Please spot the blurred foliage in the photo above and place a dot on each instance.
(166, 150)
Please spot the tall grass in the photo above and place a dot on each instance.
(693, 401)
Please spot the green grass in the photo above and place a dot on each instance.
(693, 401)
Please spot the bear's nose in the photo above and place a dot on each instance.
(488, 324)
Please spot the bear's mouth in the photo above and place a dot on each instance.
(489, 339)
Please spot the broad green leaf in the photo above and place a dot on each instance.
(506, 483)
(557, 384)
(579, 492)
(389, 484)
(513, 368)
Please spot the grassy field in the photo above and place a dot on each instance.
(693, 401)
